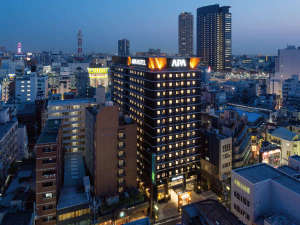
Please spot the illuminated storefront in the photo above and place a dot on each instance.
(98, 76)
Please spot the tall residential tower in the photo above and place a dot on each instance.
(123, 47)
(185, 34)
(214, 36)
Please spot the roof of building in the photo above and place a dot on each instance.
(25, 109)
(212, 211)
(253, 117)
(296, 157)
(262, 172)
(144, 221)
(6, 127)
(72, 192)
(289, 171)
(280, 220)
(50, 132)
(17, 218)
(71, 101)
(284, 133)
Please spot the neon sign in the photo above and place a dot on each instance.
(178, 63)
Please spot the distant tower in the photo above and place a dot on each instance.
(79, 38)
(19, 51)
(185, 34)
(123, 47)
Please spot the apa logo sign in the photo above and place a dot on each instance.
(178, 63)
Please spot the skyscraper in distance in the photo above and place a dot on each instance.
(123, 47)
(214, 36)
(185, 34)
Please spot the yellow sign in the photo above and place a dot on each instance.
(98, 70)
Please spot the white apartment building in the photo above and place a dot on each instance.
(31, 87)
(260, 192)
(8, 141)
(288, 141)
(72, 114)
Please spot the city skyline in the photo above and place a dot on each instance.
(261, 30)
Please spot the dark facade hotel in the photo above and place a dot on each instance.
(214, 36)
(162, 96)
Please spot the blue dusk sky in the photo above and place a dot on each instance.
(259, 26)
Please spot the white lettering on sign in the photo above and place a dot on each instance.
(177, 178)
(178, 63)
(139, 62)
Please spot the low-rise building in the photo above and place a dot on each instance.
(208, 212)
(261, 191)
(8, 141)
(288, 141)
(73, 205)
(216, 163)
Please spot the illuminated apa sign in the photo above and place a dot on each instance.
(178, 63)
(138, 62)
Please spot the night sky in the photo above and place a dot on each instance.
(259, 26)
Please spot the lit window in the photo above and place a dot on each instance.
(158, 85)
(158, 93)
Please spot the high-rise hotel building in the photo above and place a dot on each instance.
(214, 36)
(162, 95)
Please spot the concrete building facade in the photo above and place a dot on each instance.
(49, 154)
(111, 151)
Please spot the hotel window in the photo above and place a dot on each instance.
(170, 84)
(158, 103)
(158, 94)
(170, 102)
(170, 111)
(158, 112)
(48, 195)
(164, 75)
(170, 75)
(158, 76)
(188, 91)
(158, 85)
(170, 164)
